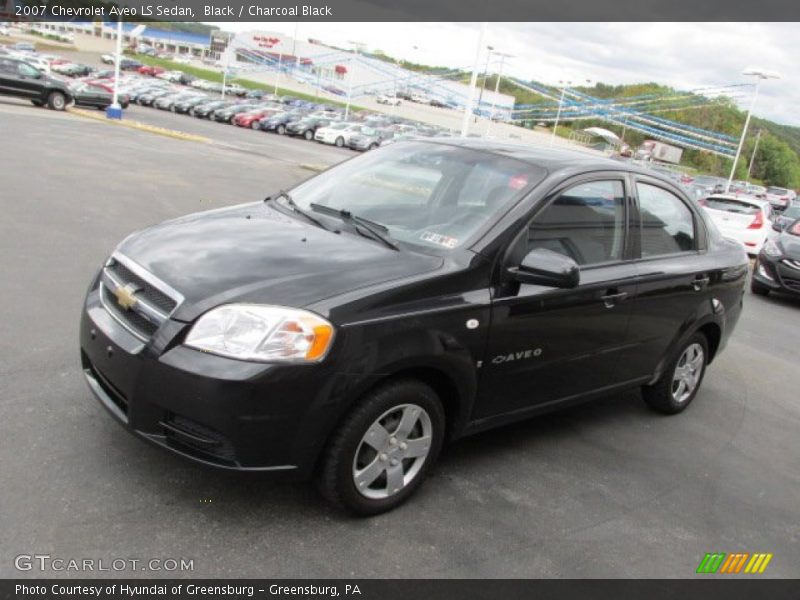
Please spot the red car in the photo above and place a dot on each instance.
(150, 70)
(252, 118)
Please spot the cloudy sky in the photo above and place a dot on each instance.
(684, 55)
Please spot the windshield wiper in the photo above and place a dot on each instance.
(295, 208)
(376, 230)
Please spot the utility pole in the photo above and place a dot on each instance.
(472, 82)
(485, 77)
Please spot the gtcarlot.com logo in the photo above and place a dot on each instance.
(735, 563)
(45, 562)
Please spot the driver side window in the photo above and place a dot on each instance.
(28, 71)
(586, 223)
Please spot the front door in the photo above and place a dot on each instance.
(548, 344)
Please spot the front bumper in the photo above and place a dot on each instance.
(777, 274)
(213, 410)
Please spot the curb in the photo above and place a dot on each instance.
(313, 167)
(178, 135)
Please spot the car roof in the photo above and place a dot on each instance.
(549, 158)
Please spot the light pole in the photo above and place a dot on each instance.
(278, 69)
(753, 158)
(759, 74)
(115, 110)
(485, 77)
(472, 81)
(356, 45)
(564, 85)
(503, 56)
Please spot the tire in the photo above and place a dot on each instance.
(669, 395)
(172, 108)
(37, 102)
(757, 288)
(56, 101)
(191, 112)
(339, 142)
(280, 129)
(308, 135)
(348, 454)
(255, 125)
(373, 146)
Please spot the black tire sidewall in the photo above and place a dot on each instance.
(659, 396)
(339, 461)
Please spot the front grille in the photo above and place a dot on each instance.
(132, 320)
(148, 292)
(189, 435)
(136, 299)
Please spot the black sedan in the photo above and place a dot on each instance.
(225, 115)
(306, 127)
(86, 94)
(205, 111)
(188, 104)
(777, 267)
(787, 217)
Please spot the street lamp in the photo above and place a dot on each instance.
(485, 77)
(503, 56)
(759, 74)
(356, 45)
(564, 85)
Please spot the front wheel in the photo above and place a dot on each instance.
(57, 101)
(339, 142)
(280, 130)
(373, 146)
(681, 380)
(383, 450)
(309, 135)
(255, 125)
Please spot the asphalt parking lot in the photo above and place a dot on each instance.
(608, 489)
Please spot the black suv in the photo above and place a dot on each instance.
(18, 78)
(418, 293)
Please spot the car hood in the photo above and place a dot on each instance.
(256, 253)
(790, 244)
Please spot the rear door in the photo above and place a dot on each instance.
(548, 344)
(675, 274)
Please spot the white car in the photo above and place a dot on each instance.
(780, 197)
(389, 100)
(746, 220)
(182, 59)
(337, 134)
(108, 58)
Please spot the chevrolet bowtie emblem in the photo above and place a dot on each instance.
(125, 295)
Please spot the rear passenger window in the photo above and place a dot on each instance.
(585, 223)
(667, 223)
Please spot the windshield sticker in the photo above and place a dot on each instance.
(439, 239)
(517, 182)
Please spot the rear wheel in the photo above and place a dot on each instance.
(680, 381)
(383, 450)
(373, 146)
(281, 129)
(57, 101)
(339, 142)
(255, 125)
(309, 135)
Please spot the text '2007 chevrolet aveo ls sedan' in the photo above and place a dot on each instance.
(347, 328)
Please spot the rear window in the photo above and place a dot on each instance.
(777, 191)
(732, 206)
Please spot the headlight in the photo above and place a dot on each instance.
(772, 249)
(262, 333)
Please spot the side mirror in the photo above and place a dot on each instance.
(545, 267)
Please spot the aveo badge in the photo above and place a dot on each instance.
(514, 356)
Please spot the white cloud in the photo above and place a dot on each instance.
(683, 55)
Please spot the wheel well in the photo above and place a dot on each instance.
(442, 384)
(713, 334)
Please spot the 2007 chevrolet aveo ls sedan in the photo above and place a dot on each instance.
(345, 329)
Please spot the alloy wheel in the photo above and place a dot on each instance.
(392, 451)
(687, 373)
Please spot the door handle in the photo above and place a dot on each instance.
(610, 300)
(700, 282)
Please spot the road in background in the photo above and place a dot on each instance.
(608, 489)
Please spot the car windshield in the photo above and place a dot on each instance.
(434, 196)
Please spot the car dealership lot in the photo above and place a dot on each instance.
(604, 490)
